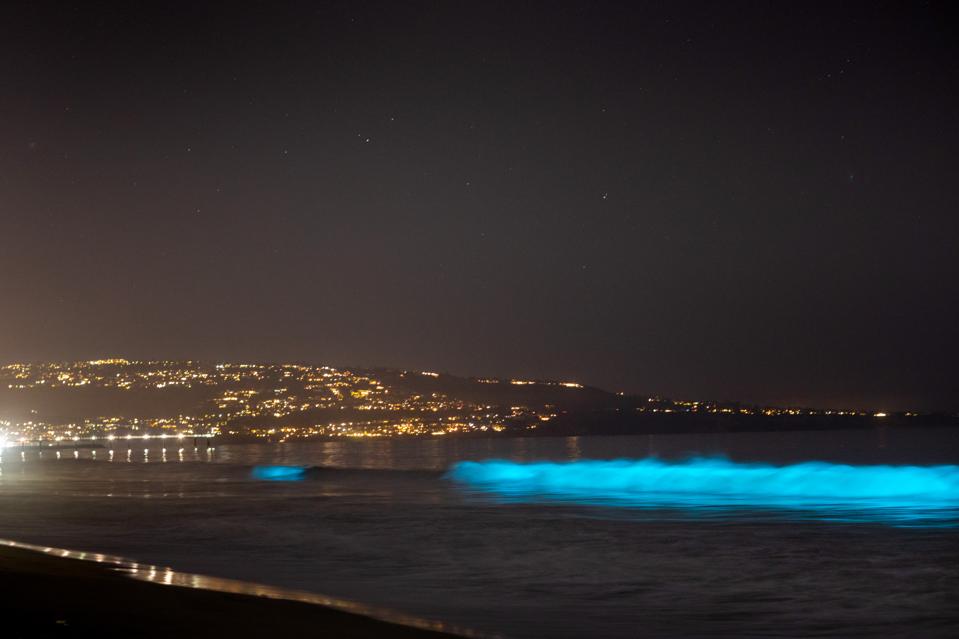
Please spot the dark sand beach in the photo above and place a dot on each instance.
(45, 596)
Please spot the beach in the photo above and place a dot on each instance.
(46, 596)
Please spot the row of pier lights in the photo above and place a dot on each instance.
(56, 442)
(93, 442)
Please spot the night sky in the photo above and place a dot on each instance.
(753, 201)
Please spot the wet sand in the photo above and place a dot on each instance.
(45, 596)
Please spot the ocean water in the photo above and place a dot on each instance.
(395, 523)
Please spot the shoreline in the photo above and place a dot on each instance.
(49, 592)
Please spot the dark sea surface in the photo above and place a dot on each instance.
(379, 521)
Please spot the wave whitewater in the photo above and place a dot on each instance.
(720, 482)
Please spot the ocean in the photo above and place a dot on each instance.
(386, 523)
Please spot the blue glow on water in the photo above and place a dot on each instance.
(279, 473)
(904, 494)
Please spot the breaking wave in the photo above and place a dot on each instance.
(887, 492)
(300, 473)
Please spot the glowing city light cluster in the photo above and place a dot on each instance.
(275, 402)
(289, 402)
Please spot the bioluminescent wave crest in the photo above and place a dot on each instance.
(279, 473)
(904, 494)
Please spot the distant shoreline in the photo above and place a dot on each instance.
(54, 592)
(118, 398)
(599, 426)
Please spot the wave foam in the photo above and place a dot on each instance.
(720, 482)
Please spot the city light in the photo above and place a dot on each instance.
(295, 402)
(272, 402)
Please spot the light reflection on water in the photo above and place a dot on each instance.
(879, 446)
(169, 577)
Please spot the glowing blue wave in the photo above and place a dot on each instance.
(903, 493)
(279, 473)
